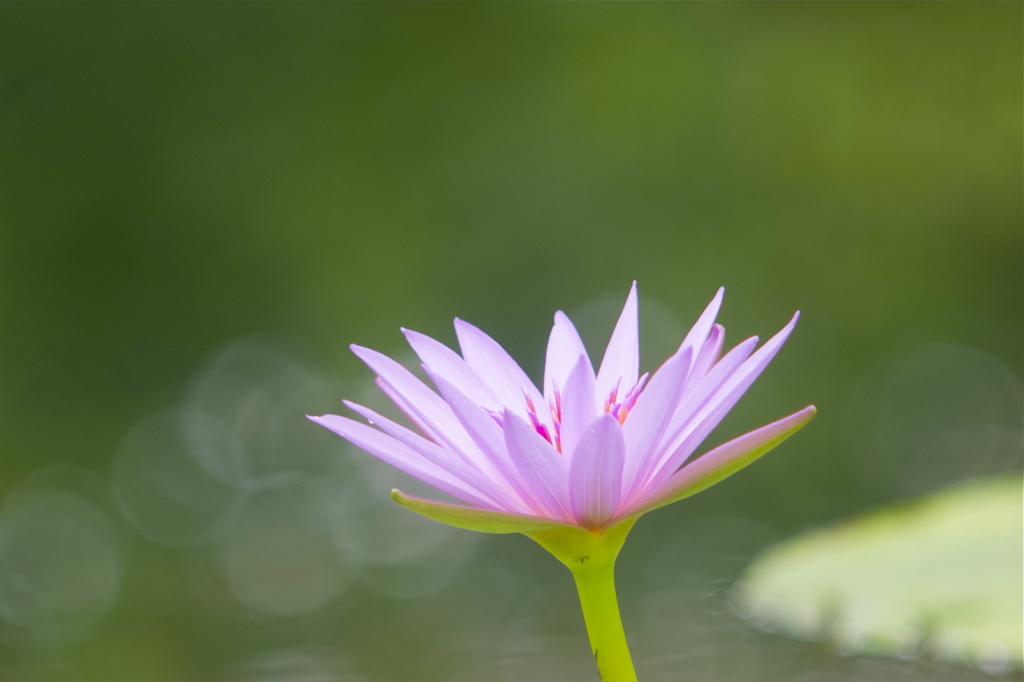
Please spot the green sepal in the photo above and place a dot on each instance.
(470, 518)
(580, 548)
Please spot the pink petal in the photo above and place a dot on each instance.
(397, 375)
(401, 457)
(452, 462)
(723, 400)
(698, 396)
(721, 462)
(621, 364)
(709, 354)
(497, 368)
(543, 469)
(487, 435)
(579, 407)
(647, 421)
(702, 327)
(427, 427)
(418, 402)
(595, 474)
(564, 348)
(443, 361)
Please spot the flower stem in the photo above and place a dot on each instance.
(595, 583)
(590, 555)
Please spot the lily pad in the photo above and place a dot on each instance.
(940, 577)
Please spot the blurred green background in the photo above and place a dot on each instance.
(202, 205)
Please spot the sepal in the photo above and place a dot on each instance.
(581, 549)
(471, 518)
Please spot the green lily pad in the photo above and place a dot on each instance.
(939, 577)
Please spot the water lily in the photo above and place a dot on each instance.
(575, 464)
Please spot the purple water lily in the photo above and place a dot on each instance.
(590, 450)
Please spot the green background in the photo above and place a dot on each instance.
(186, 188)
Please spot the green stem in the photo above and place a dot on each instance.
(596, 585)
(590, 555)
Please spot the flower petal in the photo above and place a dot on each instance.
(595, 474)
(443, 361)
(405, 383)
(470, 518)
(621, 364)
(710, 353)
(497, 368)
(564, 349)
(427, 410)
(486, 434)
(650, 417)
(721, 462)
(402, 457)
(697, 396)
(702, 327)
(453, 462)
(579, 407)
(697, 428)
(543, 469)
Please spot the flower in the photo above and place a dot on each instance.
(591, 450)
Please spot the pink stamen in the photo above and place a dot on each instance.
(540, 427)
(620, 410)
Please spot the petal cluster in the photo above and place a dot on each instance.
(591, 448)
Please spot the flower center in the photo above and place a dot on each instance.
(555, 408)
(620, 408)
(612, 405)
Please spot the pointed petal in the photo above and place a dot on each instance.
(564, 348)
(710, 353)
(722, 462)
(695, 398)
(579, 407)
(412, 390)
(487, 435)
(415, 399)
(401, 457)
(647, 421)
(481, 520)
(453, 462)
(426, 427)
(700, 330)
(497, 368)
(443, 361)
(721, 402)
(427, 410)
(621, 364)
(595, 474)
(543, 469)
